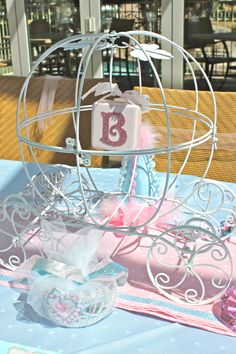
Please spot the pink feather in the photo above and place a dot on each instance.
(129, 214)
(108, 206)
(148, 136)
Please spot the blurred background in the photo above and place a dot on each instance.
(206, 28)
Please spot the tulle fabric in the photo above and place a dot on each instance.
(70, 287)
(65, 304)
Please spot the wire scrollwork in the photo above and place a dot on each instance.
(189, 265)
(20, 222)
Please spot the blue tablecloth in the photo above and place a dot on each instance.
(121, 332)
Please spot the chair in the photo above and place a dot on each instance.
(56, 132)
(40, 36)
(193, 31)
(121, 25)
(224, 159)
(38, 27)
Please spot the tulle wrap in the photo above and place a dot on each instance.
(70, 286)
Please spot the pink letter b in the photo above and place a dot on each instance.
(114, 130)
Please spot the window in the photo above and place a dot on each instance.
(5, 50)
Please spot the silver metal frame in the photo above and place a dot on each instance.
(196, 210)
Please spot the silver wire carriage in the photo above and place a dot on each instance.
(195, 209)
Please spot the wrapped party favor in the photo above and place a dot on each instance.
(71, 287)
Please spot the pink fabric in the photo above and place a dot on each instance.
(139, 291)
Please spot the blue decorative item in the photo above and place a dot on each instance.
(145, 180)
(138, 172)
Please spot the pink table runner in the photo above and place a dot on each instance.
(140, 295)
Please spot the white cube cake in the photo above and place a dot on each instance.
(115, 125)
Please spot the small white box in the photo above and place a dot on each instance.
(115, 125)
